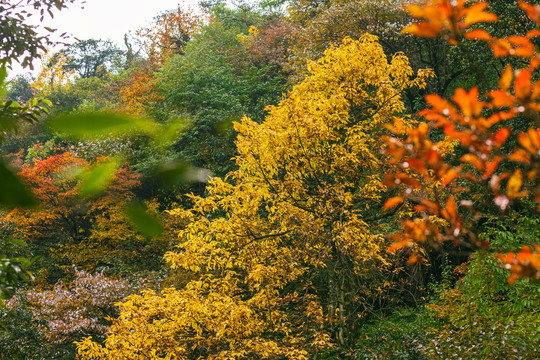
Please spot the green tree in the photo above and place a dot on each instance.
(214, 84)
(91, 58)
(20, 90)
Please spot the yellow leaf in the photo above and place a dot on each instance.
(514, 185)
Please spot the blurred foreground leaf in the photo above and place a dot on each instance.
(177, 171)
(96, 179)
(146, 223)
(12, 191)
(95, 124)
(170, 132)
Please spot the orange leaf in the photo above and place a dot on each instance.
(531, 175)
(506, 258)
(417, 164)
(501, 98)
(451, 207)
(515, 276)
(532, 33)
(533, 11)
(491, 166)
(534, 63)
(535, 261)
(415, 10)
(415, 259)
(449, 177)
(398, 125)
(524, 255)
(473, 159)
(500, 47)
(523, 52)
(522, 85)
(478, 34)
(476, 14)
(520, 41)
(506, 78)
(501, 136)
(468, 101)
(392, 202)
(534, 135)
(399, 245)
(431, 206)
(422, 29)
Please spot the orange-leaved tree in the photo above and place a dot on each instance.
(499, 164)
(67, 229)
(284, 256)
(168, 36)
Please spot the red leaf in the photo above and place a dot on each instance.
(501, 136)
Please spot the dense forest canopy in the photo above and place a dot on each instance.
(274, 179)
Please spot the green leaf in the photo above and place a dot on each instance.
(173, 172)
(13, 193)
(96, 179)
(95, 124)
(146, 223)
(170, 133)
(3, 75)
(177, 171)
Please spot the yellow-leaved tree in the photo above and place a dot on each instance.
(53, 73)
(285, 254)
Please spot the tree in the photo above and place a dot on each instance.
(20, 89)
(498, 168)
(21, 39)
(54, 73)
(213, 84)
(284, 257)
(269, 44)
(139, 89)
(68, 229)
(321, 24)
(169, 34)
(89, 58)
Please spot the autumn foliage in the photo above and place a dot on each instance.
(169, 34)
(280, 256)
(67, 229)
(506, 171)
(376, 210)
(138, 90)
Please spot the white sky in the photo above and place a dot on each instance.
(111, 19)
(107, 19)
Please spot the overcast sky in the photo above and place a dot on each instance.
(108, 19)
(111, 19)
